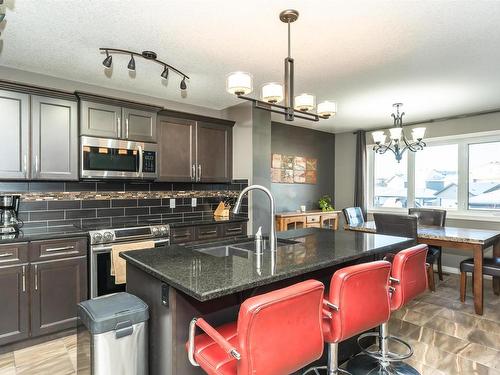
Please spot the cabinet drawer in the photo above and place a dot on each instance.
(182, 235)
(207, 232)
(234, 229)
(13, 254)
(313, 219)
(313, 225)
(54, 249)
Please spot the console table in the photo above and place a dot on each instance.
(307, 219)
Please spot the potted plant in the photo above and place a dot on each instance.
(325, 203)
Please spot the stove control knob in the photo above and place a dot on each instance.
(96, 237)
(154, 231)
(163, 231)
(108, 236)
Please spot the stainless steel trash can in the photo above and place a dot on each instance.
(112, 336)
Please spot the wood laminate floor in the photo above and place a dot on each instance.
(448, 338)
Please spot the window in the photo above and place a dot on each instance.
(460, 173)
(436, 176)
(484, 176)
(390, 181)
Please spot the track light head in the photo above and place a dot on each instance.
(131, 63)
(108, 60)
(164, 74)
(183, 84)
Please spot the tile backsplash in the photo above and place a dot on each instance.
(90, 204)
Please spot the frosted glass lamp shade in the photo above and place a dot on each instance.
(418, 134)
(239, 83)
(327, 108)
(272, 92)
(305, 102)
(396, 133)
(379, 137)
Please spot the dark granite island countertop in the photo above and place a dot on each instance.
(205, 277)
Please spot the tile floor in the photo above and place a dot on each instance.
(448, 338)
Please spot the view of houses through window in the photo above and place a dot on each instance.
(432, 177)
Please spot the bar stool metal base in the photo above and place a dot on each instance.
(324, 370)
(363, 364)
(387, 355)
(333, 366)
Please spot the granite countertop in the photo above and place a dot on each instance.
(43, 233)
(452, 234)
(205, 277)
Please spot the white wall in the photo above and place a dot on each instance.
(345, 144)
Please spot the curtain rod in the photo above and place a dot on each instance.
(439, 119)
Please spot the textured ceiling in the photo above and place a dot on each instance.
(437, 57)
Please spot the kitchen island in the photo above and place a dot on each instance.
(180, 282)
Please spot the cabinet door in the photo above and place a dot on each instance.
(214, 152)
(54, 142)
(14, 128)
(100, 120)
(139, 125)
(176, 150)
(56, 288)
(14, 316)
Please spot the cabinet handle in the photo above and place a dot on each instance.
(199, 172)
(24, 278)
(141, 160)
(59, 248)
(25, 165)
(233, 229)
(36, 165)
(119, 122)
(126, 128)
(5, 255)
(193, 172)
(209, 232)
(36, 276)
(182, 235)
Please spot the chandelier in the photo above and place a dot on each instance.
(398, 143)
(273, 93)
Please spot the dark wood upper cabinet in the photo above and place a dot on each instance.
(193, 150)
(57, 287)
(14, 294)
(54, 139)
(214, 152)
(14, 128)
(176, 143)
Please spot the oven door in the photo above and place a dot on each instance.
(112, 158)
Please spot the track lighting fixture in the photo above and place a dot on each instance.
(164, 74)
(108, 61)
(131, 63)
(148, 55)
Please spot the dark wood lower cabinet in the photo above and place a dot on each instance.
(14, 298)
(56, 288)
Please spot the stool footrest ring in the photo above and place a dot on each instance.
(390, 356)
(318, 369)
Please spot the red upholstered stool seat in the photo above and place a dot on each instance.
(277, 333)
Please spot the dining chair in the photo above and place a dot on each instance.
(403, 226)
(353, 215)
(435, 218)
(491, 267)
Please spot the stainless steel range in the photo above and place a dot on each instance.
(101, 243)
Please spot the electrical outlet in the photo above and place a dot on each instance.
(193, 202)
(172, 203)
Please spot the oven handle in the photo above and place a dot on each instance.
(107, 248)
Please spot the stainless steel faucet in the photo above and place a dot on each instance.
(272, 234)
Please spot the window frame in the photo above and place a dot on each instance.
(462, 211)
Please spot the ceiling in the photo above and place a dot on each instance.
(439, 58)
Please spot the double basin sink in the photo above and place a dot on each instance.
(241, 248)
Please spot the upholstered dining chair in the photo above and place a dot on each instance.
(403, 226)
(353, 215)
(435, 218)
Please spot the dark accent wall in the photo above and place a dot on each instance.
(113, 203)
(297, 141)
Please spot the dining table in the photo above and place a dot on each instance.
(467, 239)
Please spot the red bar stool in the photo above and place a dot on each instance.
(277, 333)
(358, 301)
(408, 280)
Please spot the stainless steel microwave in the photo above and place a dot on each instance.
(113, 158)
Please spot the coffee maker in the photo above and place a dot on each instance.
(9, 214)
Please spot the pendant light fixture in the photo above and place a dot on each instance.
(148, 55)
(301, 106)
(398, 143)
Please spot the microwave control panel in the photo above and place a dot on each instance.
(149, 165)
